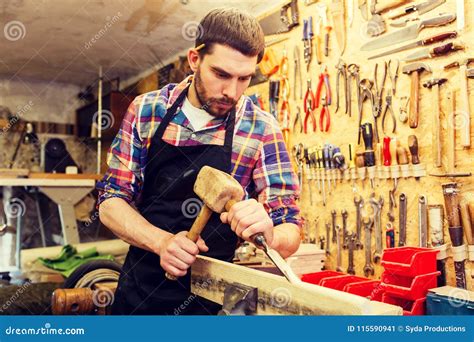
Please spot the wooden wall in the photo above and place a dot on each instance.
(343, 130)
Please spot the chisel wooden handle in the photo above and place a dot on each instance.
(451, 203)
(413, 146)
(413, 114)
(382, 6)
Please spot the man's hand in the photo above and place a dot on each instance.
(177, 253)
(247, 218)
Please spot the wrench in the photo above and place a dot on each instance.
(377, 207)
(423, 221)
(339, 249)
(333, 215)
(321, 242)
(368, 268)
(344, 228)
(352, 245)
(402, 220)
(359, 203)
(328, 231)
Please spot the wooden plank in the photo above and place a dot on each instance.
(40, 175)
(209, 278)
(50, 181)
(13, 173)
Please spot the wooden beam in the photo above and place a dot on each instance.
(209, 278)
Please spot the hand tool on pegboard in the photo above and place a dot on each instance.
(436, 229)
(327, 166)
(402, 220)
(455, 228)
(418, 8)
(359, 204)
(393, 75)
(389, 235)
(281, 21)
(351, 246)
(403, 116)
(309, 107)
(378, 96)
(298, 122)
(285, 95)
(369, 154)
(368, 268)
(297, 78)
(353, 75)
(308, 40)
(324, 100)
(413, 147)
(365, 92)
(414, 70)
(274, 96)
(309, 174)
(408, 33)
(324, 22)
(321, 172)
(464, 110)
(342, 74)
(339, 249)
(422, 221)
(377, 205)
(438, 51)
(422, 42)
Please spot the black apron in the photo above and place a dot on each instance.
(168, 201)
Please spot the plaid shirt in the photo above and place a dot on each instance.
(260, 161)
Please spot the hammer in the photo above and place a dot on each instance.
(464, 110)
(220, 191)
(415, 69)
(436, 83)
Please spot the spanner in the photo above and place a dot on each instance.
(368, 268)
(344, 228)
(422, 221)
(402, 220)
(328, 231)
(377, 207)
(359, 203)
(352, 245)
(339, 249)
(333, 216)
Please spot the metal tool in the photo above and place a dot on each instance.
(281, 21)
(322, 12)
(419, 8)
(351, 238)
(438, 51)
(309, 174)
(298, 81)
(298, 121)
(327, 165)
(377, 207)
(326, 99)
(369, 154)
(408, 33)
(276, 258)
(353, 75)
(436, 229)
(422, 222)
(378, 94)
(339, 249)
(345, 240)
(422, 42)
(403, 116)
(368, 268)
(308, 40)
(333, 219)
(339, 20)
(328, 238)
(436, 131)
(342, 73)
(309, 107)
(321, 172)
(274, 96)
(413, 147)
(359, 204)
(402, 208)
(365, 92)
(388, 108)
(298, 154)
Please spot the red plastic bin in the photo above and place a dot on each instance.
(315, 278)
(410, 307)
(370, 289)
(407, 287)
(409, 261)
(339, 282)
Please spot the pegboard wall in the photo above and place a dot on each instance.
(343, 128)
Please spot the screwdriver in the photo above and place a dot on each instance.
(327, 165)
(308, 172)
(332, 165)
(352, 166)
(321, 172)
(369, 154)
(314, 163)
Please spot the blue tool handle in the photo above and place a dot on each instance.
(305, 29)
(326, 157)
(310, 27)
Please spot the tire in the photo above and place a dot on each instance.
(92, 265)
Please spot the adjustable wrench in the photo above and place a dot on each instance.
(328, 232)
(423, 221)
(352, 245)
(334, 236)
(359, 203)
(344, 228)
(368, 268)
(339, 249)
(377, 207)
(402, 220)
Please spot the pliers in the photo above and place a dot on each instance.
(324, 114)
(309, 107)
(388, 107)
(297, 121)
(393, 76)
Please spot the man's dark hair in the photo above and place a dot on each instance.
(234, 28)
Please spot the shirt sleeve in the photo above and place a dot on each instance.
(123, 177)
(275, 180)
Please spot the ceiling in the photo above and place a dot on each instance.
(66, 41)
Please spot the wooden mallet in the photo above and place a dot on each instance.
(219, 191)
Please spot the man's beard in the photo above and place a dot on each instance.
(209, 103)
